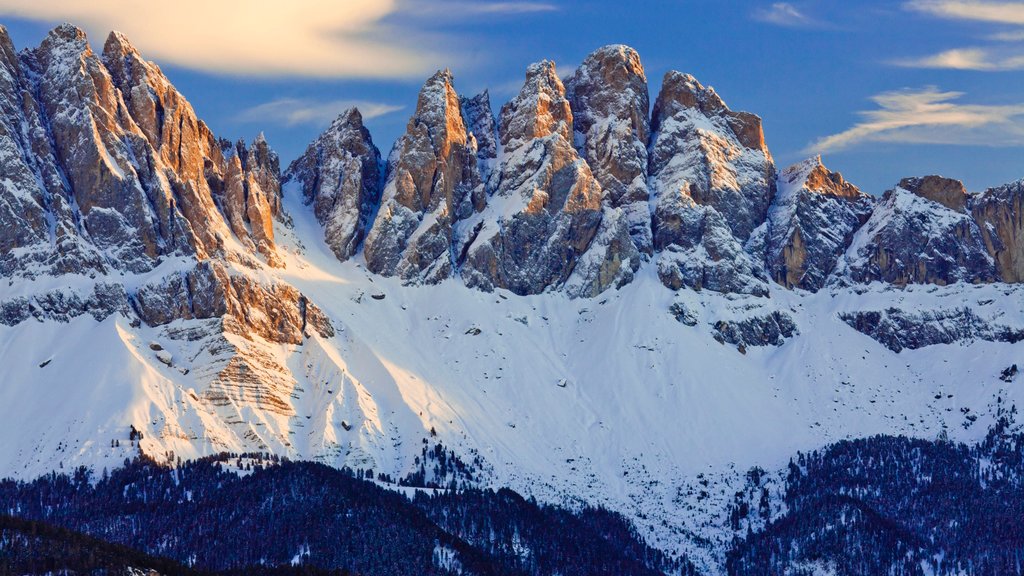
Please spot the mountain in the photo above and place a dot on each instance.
(589, 303)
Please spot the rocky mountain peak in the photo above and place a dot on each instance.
(438, 109)
(339, 175)
(946, 191)
(540, 109)
(815, 177)
(684, 91)
(610, 83)
(610, 103)
(479, 119)
(432, 180)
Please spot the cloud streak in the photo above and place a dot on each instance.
(977, 10)
(929, 116)
(315, 38)
(979, 59)
(299, 111)
(785, 14)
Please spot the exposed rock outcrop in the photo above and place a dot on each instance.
(545, 210)
(811, 223)
(275, 312)
(898, 329)
(910, 238)
(610, 106)
(999, 213)
(771, 329)
(339, 174)
(950, 193)
(479, 119)
(711, 180)
(432, 182)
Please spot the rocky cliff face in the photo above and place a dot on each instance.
(914, 236)
(432, 181)
(545, 208)
(999, 213)
(572, 189)
(128, 206)
(711, 180)
(339, 175)
(610, 104)
(811, 223)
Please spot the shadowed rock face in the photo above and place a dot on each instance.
(811, 223)
(432, 181)
(610, 103)
(339, 175)
(913, 239)
(1000, 216)
(479, 119)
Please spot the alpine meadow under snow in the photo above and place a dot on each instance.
(594, 303)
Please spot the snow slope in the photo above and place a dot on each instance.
(609, 400)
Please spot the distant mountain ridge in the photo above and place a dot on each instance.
(591, 297)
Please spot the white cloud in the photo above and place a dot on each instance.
(928, 116)
(981, 59)
(323, 38)
(295, 111)
(980, 10)
(784, 14)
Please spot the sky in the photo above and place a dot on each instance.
(883, 89)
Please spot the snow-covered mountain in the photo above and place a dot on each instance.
(594, 303)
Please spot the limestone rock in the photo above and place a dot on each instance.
(432, 179)
(811, 222)
(946, 191)
(545, 208)
(912, 239)
(339, 175)
(610, 103)
(712, 180)
(999, 213)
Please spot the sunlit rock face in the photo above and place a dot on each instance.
(544, 226)
(811, 222)
(113, 188)
(432, 181)
(712, 180)
(610, 105)
(339, 175)
(919, 233)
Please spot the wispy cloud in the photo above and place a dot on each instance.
(930, 116)
(785, 14)
(296, 111)
(981, 59)
(319, 38)
(1011, 36)
(978, 10)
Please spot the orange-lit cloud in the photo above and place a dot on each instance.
(323, 38)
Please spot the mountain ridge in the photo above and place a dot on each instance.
(598, 304)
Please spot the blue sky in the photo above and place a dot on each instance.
(884, 89)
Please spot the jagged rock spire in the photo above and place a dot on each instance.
(810, 224)
(548, 228)
(339, 175)
(432, 181)
(610, 104)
